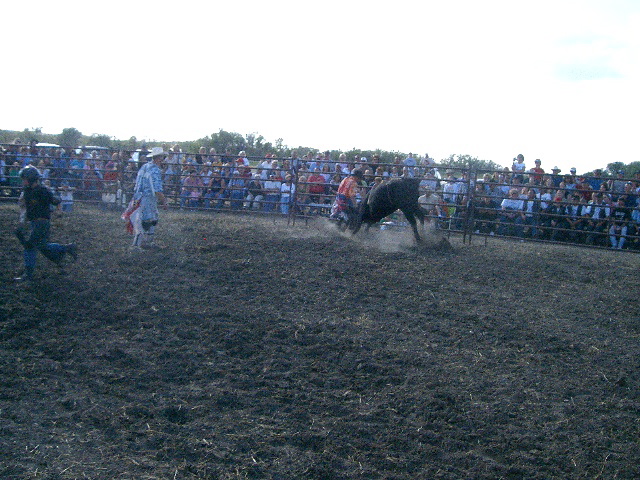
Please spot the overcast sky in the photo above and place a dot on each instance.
(556, 80)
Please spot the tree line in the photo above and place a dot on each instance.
(255, 145)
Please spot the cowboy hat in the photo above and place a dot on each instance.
(156, 151)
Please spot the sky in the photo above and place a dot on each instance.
(556, 80)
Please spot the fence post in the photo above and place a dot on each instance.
(471, 190)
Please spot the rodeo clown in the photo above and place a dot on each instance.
(36, 201)
(142, 213)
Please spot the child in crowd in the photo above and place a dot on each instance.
(66, 196)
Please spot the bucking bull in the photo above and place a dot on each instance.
(384, 199)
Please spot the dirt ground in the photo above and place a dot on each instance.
(248, 348)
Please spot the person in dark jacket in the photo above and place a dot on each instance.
(36, 202)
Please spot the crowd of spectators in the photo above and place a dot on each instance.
(518, 201)
(530, 203)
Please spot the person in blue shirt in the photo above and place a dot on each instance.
(36, 202)
(148, 192)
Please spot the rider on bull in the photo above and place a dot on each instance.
(346, 198)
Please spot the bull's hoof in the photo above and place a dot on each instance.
(444, 246)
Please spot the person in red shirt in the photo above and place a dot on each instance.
(316, 186)
(583, 188)
(537, 172)
(346, 198)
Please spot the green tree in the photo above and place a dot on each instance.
(615, 167)
(632, 169)
(223, 141)
(69, 138)
(31, 136)
(100, 140)
(467, 161)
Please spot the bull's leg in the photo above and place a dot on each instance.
(420, 213)
(410, 215)
(414, 225)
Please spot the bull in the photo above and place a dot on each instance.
(384, 199)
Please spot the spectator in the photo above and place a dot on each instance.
(630, 196)
(254, 197)
(634, 226)
(92, 179)
(264, 167)
(430, 202)
(503, 186)
(271, 193)
(583, 189)
(577, 220)
(485, 211)
(192, 188)
(326, 173)
(242, 160)
(538, 173)
(309, 162)
(531, 208)
(201, 157)
(598, 213)
(375, 163)
(4, 181)
(302, 198)
(616, 185)
(568, 185)
(518, 167)
(512, 215)
(316, 186)
(236, 187)
(449, 189)
(295, 162)
(596, 179)
(342, 161)
(66, 197)
(620, 217)
(556, 178)
(368, 177)
(410, 163)
(556, 220)
(287, 191)
(546, 197)
(215, 191)
(214, 158)
(59, 168)
(77, 165)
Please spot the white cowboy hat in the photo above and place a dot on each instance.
(156, 151)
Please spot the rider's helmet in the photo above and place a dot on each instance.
(30, 174)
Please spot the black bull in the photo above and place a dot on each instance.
(384, 199)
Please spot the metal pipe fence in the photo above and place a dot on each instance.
(463, 201)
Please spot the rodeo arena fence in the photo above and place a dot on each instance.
(596, 211)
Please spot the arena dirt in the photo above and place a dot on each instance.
(248, 348)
